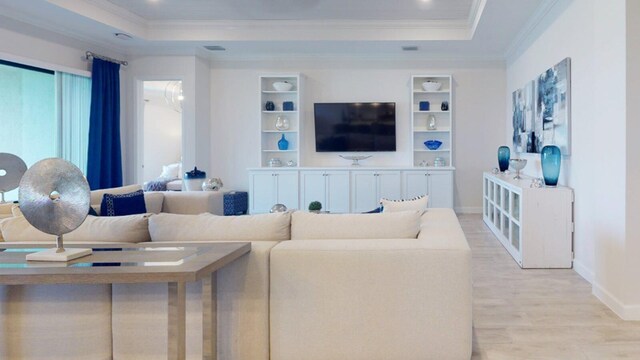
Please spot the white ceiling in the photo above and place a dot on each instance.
(465, 29)
(297, 9)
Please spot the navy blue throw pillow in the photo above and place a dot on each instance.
(374, 211)
(123, 204)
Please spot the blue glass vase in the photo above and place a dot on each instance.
(504, 154)
(550, 159)
(283, 144)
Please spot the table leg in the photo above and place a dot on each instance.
(176, 336)
(209, 318)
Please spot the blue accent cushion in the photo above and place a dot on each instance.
(92, 211)
(123, 204)
(235, 203)
(374, 211)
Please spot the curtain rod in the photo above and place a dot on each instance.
(89, 55)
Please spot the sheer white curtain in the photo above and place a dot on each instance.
(75, 104)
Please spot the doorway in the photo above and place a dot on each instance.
(162, 130)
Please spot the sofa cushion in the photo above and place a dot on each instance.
(130, 229)
(177, 227)
(123, 204)
(398, 225)
(153, 202)
(417, 203)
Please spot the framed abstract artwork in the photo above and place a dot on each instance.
(542, 111)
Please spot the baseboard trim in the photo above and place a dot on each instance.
(468, 210)
(583, 271)
(625, 312)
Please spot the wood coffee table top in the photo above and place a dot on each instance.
(119, 263)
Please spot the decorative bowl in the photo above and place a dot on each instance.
(282, 86)
(431, 85)
(433, 144)
(517, 165)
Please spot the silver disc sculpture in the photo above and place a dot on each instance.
(11, 170)
(55, 198)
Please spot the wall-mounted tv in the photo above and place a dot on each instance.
(347, 127)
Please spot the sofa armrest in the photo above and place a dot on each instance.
(371, 299)
(193, 202)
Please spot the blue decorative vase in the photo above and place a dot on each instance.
(550, 159)
(424, 105)
(269, 106)
(504, 154)
(283, 144)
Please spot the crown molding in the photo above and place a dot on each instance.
(477, 7)
(525, 35)
(116, 10)
(106, 13)
(57, 34)
(312, 30)
(442, 60)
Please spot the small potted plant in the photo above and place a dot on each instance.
(315, 206)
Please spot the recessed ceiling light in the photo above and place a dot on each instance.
(123, 36)
(410, 48)
(214, 48)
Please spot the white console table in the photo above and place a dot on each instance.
(535, 225)
(343, 190)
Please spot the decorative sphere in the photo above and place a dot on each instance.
(278, 208)
(212, 184)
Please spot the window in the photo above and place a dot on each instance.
(43, 114)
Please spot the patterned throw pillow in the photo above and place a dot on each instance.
(417, 203)
(123, 204)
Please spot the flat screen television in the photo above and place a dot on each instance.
(351, 127)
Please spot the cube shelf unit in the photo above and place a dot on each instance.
(419, 119)
(269, 135)
(535, 225)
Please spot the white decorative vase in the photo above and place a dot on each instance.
(282, 123)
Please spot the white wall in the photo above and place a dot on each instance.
(478, 113)
(567, 37)
(600, 169)
(18, 45)
(633, 148)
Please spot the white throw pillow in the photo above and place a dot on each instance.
(130, 229)
(418, 203)
(171, 171)
(209, 227)
(398, 225)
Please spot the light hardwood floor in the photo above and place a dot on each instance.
(538, 314)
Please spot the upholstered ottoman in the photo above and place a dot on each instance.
(236, 203)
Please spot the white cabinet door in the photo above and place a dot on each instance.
(389, 185)
(440, 189)
(364, 193)
(416, 183)
(287, 188)
(262, 191)
(312, 188)
(337, 186)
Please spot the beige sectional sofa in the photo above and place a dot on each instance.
(314, 286)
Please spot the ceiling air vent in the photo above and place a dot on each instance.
(214, 48)
(409, 48)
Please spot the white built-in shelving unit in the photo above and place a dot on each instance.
(269, 135)
(419, 120)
